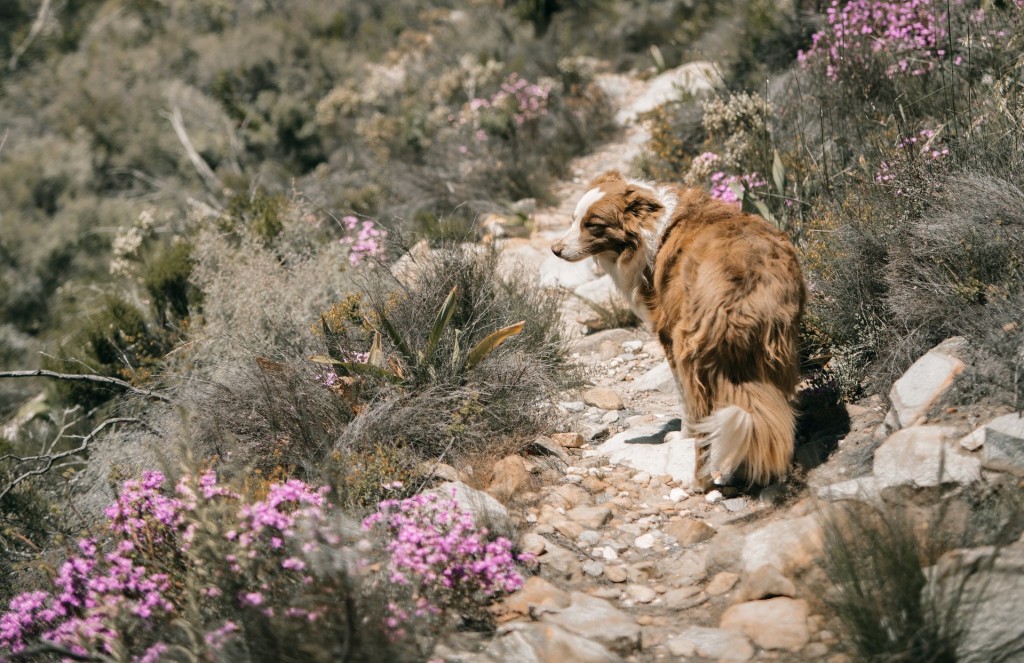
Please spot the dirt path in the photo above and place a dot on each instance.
(631, 565)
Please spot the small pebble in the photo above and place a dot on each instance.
(714, 496)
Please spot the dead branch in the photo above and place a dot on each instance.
(86, 377)
(205, 172)
(47, 459)
(37, 27)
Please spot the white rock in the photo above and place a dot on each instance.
(610, 417)
(917, 456)
(645, 541)
(573, 406)
(609, 554)
(714, 643)
(693, 78)
(632, 347)
(558, 273)
(714, 496)
(788, 545)
(653, 449)
(641, 478)
(659, 378)
(641, 593)
(487, 511)
(778, 623)
(677, 495)
(861, 488)
(600, 621)
(925, 382)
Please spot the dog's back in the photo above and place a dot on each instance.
(727, 296)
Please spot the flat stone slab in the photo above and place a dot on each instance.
(924, 456)
(715, 643)
(545, 643)
(659, 378)
(779, 623)
(788, 545)
(925, 382)
(645, 448)
(598, 620)
(600, 291)
(864, 489)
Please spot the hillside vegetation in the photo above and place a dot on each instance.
(259, 225)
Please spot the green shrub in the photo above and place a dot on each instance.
(167, 281)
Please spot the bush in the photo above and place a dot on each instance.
(205, 572)
(883, 583)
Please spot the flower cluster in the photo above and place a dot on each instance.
(365, 239)
(437, 550)
(249, 560)
(911, 32)
(723, 185)
(151, 530)
(516, 98)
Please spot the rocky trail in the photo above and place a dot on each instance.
(632, 565)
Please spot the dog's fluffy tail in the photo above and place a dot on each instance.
(752, 432)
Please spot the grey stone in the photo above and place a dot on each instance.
(546, 643)
(861, 488)
(593, 568)
(992, 594)
(641, 593)
(923, 456)
(714, 643)
(603, 398)
(590, 517)
(684, 598)
(487, 511)
(1003, 443)
(779, 623)
(925, 382)
(788, 545)
(597, 620)
(766, 582)
(659, 378)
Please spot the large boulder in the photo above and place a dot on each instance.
(924, 383)
(923, 456)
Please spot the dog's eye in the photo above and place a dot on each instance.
(595, 222)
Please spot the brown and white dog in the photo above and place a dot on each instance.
(723, 291)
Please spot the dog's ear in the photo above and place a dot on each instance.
(640, 202)
(607, 176)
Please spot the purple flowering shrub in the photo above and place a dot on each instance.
(206, 571)
(437, 551)
(363, 239)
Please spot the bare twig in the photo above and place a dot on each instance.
(205, 172)
(48, 459)
(86, 377)
(37, 27)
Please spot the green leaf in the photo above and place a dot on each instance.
(779, 174)
(331, 339)
(397, 340)
(444, 316)
(356, 368)
(491, 343)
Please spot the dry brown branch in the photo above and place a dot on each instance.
(49, 456)
(86, 377)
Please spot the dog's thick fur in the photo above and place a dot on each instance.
(724, 292)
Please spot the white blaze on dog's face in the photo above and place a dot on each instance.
(572, 245)
(613, 218)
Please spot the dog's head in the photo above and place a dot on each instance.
(610, 218)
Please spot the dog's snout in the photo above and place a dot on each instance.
(557, 249)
